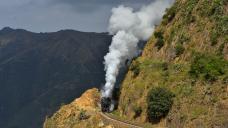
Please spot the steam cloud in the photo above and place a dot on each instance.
(129, 27)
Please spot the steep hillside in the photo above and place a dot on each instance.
(181, 79)
(187, 55)
(81, 113)
(41, 71)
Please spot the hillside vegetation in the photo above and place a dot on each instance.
(187, 55)
(181, 78)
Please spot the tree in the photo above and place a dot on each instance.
(159, 102)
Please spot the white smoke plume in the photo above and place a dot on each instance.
(129, 27)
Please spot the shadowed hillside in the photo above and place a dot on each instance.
(41, 71)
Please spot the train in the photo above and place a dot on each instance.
(106, 103)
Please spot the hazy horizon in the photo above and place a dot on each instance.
(55, 15)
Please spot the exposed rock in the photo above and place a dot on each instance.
(67, 116)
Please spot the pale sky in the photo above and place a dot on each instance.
(54, 15)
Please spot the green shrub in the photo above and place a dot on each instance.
(216, 7)
(171, 35)
(135, 68)
(220, 49)
(209, 66)
(221, 29)
(158, 34)
(160, 40)
(159, 44)
(165, 66)
(187, 12)
(212, 8)
(221, 25)
(82, 115)
(159, 102)
(138, 111)
(225, 80)
(170, 14)
(179, 49)
(214, 38)
(183, 38)
(190, 5)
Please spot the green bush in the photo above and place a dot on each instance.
(220, 49)
(209, 66)
(214, 38)
(225, 80)
(186, 13)
(138, 111)
(165, 66)
(170, 14)
(159, 44)
(159, 102)
(211, 9)
(179, 49)
(221, 25)
(158, 34)
(183, 38)
(135, 68)
(216, 7)
(160, 40)
(221, 29)
(82, 115)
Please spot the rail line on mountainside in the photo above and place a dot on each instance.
(125, 123)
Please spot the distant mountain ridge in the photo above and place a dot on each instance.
(40, 71)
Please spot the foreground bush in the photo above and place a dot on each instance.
(159, 102)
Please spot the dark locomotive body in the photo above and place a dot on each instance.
(106, 103)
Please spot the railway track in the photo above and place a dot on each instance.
(122, 123)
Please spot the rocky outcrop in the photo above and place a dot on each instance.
(69, 116)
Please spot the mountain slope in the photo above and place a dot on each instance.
(188, 56)
(41, 71)
(184, 55)
(64, 117)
